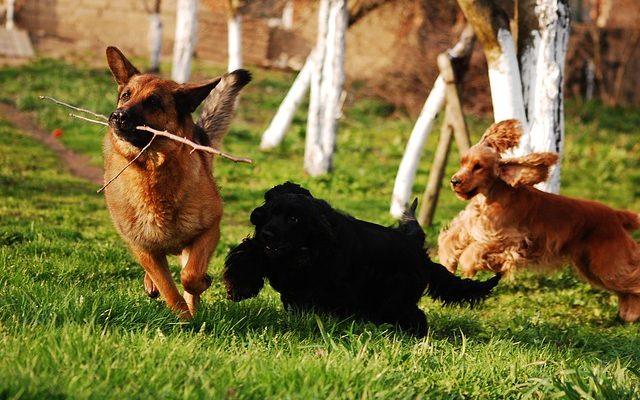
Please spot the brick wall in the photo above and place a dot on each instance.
(94, 24)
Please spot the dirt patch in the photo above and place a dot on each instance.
(75, 163)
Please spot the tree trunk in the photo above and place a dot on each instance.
(405, 177)
(326, 87)
(185, 39)
(9, 25)
(155, 38)
(281, 121)
(542, 40)
(234, 27)
(530, 91)
(491, 25)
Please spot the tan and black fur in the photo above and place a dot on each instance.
(167, 201)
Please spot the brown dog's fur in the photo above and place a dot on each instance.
(510, 224)
(167, 201)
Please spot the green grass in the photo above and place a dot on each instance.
(75, 323)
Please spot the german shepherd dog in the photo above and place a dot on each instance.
(167, 202)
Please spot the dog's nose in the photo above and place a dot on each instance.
(455, 181)
(120, 118)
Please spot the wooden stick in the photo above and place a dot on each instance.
(195, 146)
(88, 119)
(126, 166)
(166, 134)
(62, 103)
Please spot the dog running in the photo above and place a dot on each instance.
(167, 202)
(510, 224)
(320, 259)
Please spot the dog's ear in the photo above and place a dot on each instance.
(120, 67)
(286, 188)
(322, 215)
(527, 170)
(503, 135)
(188, 96)
(244, 272)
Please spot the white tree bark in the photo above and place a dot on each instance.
(504, 79)
(530, 91)
(542, 64)
(234, 27)
(9, 22)
(313, 150)
(185, 39)
(326, 87)
(274, 134)
(424, 124)
(287, 15)
(155, 41)
(411, 158)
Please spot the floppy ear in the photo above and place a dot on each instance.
(244, 272)
(527, 170)
(286, 188)
(120, 67)
(188, 96)
(503, 135)
(322, 215)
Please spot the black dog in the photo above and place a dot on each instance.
(318, 258)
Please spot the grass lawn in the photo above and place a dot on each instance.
(75, 322)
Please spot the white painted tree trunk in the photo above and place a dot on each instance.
(234, 27)
(435, 102)
(505, 82)
(185, 39)
(326, 87)
(9, 23)
(287, 15)
(312, 142)
(411, 158)
(542, 66)
(274, 134)
(155, 41)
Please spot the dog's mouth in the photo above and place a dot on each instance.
(133, 136)
(127, 130)
(466, 195)
(274, 251)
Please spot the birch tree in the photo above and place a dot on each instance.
(273, 135)
(327, 78)
(526, 80)
(234, 40)
(405, 177)
(155, 37)
(185, 39)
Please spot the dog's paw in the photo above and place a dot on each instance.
(150, 288)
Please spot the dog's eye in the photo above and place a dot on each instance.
(477, 167)
(153, 102)
(125, 96)
(292, 219)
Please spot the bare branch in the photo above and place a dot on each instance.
(196, 146)
(88, 119)
(62, 103)
(155, 132)
(126, 166)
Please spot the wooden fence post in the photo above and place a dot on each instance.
(452, 125)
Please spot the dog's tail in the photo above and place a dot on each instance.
(218, 107)
(409, 225)
(451, 289)
(629, 220)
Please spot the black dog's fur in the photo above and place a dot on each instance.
(318, 258)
